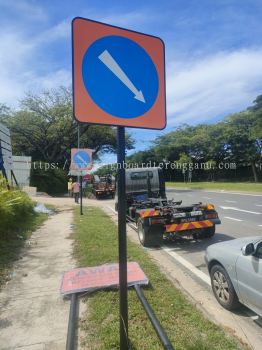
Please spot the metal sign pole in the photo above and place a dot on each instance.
(122, 251)
(79, 178)
(81, 193)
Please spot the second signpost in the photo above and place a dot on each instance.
(81, 164)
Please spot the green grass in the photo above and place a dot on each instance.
(13, 241)
(229, 186)
(96, 243)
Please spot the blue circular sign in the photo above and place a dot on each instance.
(120, 77)
(81, 159)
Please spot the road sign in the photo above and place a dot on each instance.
(118, 76)
(81, 159)
(88, 279)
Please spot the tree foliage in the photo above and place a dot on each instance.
(44, 128)
(237, 138)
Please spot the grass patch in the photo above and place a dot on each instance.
(13, 241)
(96, 243)
(230, 186)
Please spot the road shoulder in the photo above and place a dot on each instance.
(200, 295)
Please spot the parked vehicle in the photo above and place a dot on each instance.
(104, 186)
(156, 217)
(235, 269)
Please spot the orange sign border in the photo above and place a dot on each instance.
(85, 32)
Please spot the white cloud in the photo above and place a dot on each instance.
(199, 91)
(25, 9)
(61, 77)
(62, 30)
(19, 71)
(133, 19)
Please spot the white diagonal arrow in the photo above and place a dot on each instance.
(81, 159)
(111, 64)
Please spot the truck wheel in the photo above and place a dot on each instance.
(209, 232)
(223, 288)
(149, 235)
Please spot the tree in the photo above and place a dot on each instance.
(238, 138)
(44, 128)
(242, 146)
(257, 104)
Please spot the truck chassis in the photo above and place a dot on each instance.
(156, 218)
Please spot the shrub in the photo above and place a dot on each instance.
(52, 180)
(15, 208)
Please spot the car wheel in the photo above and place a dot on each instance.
(223, 288)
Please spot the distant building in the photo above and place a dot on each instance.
(13, 167)
(22, 167)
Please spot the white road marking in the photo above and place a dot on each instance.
(200, 274)
(251, 315)
(260, 225)
(239, 193)
(230, 201)
(207, 197)
(258, 205)
(222, 192)
(228, 217)
(237, 209)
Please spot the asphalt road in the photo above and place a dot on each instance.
(240, 214)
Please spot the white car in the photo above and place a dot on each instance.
(235, 268)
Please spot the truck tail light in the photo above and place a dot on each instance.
(211, 216)
(156, 221)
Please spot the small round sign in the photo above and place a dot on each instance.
(120, 76)
(81, 159)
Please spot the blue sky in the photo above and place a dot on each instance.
(213, 51)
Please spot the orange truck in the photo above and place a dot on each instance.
(104, 186)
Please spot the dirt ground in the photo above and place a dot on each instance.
(33, 315)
